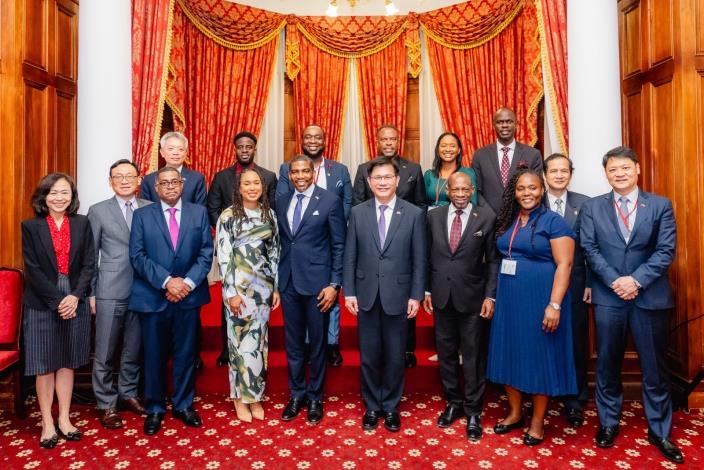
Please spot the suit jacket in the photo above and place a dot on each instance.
(113, 271)
(193, 188)
(337, 179)
(580, 276)
(469, 275)
(485, 163)
(154, 258)
(41, 272)
(395, 272)
(647, 255)
(411, 188)
(312, 257)
(223, 186)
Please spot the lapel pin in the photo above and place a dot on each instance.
(576, 212)
(317, 197)
(398, 212)
(642, 204)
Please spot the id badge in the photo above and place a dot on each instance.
(508, 266)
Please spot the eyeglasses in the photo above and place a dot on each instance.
(128, 178)
(168, 184)
(380, 178)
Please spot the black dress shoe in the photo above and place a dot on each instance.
(411, 360)
(223, 358)
(153, 423)
(189, 417)
(531, 441)
(74, 435)
(474, 428)
(575, 417)
(666, 447)
(370, 420)
(293, 407)
(605, 436)
(334, 356)
(500, 428)
(392, 421)
(49, 443)
(315, 411)
(451, 414)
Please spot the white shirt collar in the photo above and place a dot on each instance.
(465, 211)
(552, 198)
(165, 207)
(500, 146)
(391, 204)
(122, 202)
(307, 193)
(632, 196)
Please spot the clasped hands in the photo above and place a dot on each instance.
(411, 310)
(177, 289)
(67, 307)
(487, 311)
(625, 287)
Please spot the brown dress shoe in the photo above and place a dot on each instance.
(110, 418)
(133, 405)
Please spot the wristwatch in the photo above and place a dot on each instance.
(554, 305)
(335, 286)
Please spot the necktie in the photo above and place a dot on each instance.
(382, 224)
(625, 229)
(128, 214)
(173, 226)
(558, 209)
(456, 231)
(297, 213)
(505, 166)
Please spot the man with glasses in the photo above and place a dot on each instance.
(171, 251)
(116, 326)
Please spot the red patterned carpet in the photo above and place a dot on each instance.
(338, 442)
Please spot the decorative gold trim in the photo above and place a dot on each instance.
(415, 61)
(352, 55)
(345, 103)
(549, 82)
(534, 106)
(477, 42)
(178, 112)
(358, 72)
(225, 43)
(292, 58)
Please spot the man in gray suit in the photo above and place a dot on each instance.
(384, 282)
(496, 163)
(115, 325)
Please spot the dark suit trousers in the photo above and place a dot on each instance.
(580, 323)
(465, 332)
(301, 314)
(174, 330)
(382, 341)
(411, 338)
(649, 331)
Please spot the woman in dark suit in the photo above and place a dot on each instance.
(59, 260)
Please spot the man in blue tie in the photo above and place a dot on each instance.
(312, 230)
(628, 237)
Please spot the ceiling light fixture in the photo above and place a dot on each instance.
(332, 9)
(390, 7)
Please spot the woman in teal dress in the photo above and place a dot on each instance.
(530, 344)
(448, 159)
(248, 258)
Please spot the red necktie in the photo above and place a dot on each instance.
(505, 166)
(456, 231)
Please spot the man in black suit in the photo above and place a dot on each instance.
(384, 280)
(558, 173)
(220, 198)
(411, 188)
(496, 163)
(463, 265)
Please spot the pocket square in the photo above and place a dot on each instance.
(478, 234)
(316, 213)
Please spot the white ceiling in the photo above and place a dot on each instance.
(362, 8)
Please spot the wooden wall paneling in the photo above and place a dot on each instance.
(661, 31)
(290, 147)
(36, 32)
(631, 51)
(411, 144)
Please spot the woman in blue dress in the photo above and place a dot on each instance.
(530, 345)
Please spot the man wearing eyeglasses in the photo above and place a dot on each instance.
(171, 251)
(116, 326)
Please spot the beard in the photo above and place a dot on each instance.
(313, 155)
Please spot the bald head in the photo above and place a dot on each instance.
(459, 189)
(313, 141)
(505, 125)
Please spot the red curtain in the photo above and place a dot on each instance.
(471, 84)
(150, 30)
(383, 83)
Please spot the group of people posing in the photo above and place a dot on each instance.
(502, 254)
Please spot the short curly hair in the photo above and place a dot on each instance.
(39, 196)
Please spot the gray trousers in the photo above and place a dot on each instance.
(116, 326)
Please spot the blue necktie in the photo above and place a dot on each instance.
(297, 213)
(623, 206)
(381, 225)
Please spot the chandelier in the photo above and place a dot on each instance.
(388, 6)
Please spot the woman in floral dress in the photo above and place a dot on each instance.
(248, 257)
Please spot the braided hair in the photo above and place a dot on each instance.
(510, 206)
(238, 211)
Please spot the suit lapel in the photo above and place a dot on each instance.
(312, 206)
(116, 214)
(74, 230)
(494, 162)
(611, 215)
(373, 225)
(183, 226)
(571, 211)
(395, 223)
(517, 154)
(641, 214)
(45, 237)
(282, 209)
(472, 222)
(160, 221)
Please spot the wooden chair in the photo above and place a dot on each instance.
(11, 285)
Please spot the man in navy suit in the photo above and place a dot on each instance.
(171, 251)
(334, 177)
(384, 283)
(173, 148)
(312, 230)
(558, 174)
(628, 237)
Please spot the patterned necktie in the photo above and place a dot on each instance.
(625, 229)
(558, 209)
(456, 231)
(128, 214)
(382, 224)
(297, 213)
(505, 166)
(173, 226)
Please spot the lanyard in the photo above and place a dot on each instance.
(438, 189)
(317, 173)
(513, 235)
(625, 217)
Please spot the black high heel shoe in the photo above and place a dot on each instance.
(49, 443)
(500, 428)
(70, 436)
(531, 440)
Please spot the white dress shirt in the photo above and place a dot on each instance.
(388, 213)
(320, 179)
(553, 204)
(500, 153)
(632, 207)
(167, 217)
(123, 205)
(308, 193)
(464, 218)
